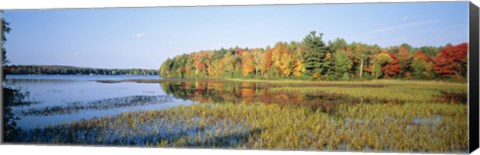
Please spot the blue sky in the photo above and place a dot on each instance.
(145, 37)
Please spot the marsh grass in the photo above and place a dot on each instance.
(410, 91)
(379, 127)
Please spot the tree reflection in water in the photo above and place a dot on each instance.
(221, 91)
(12, 97)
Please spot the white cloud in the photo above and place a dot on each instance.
(76, 53)
(397, 27)
(139, 35)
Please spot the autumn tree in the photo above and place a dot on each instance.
(198, 63)
(391, 68)
(362, 55)
(266, 62)
(217, 62)
(312, 59)
(257, 58)
(247, 65)
(380, 60)
(298, 64)
(452, 61)
(237, 59)
(422, 66)
(282, 59)
(209, 64)
(228, 65)
(404, 59)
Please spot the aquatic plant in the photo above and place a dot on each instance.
(357, 127)
(103, 104)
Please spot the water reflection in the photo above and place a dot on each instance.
(218, 91)
(215, 91)
(43, 100)
(11, 97)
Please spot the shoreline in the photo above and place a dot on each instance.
(286, 81)
(270, 81)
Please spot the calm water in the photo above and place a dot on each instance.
(55, 99)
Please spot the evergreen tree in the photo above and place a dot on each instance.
(342, 65)
(5, 29)
(315, 52)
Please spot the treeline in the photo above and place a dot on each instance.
(69, 70)
(312, 58)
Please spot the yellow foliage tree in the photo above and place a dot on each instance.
(247, 65)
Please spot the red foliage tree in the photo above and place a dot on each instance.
(392, 68)
(452, 61)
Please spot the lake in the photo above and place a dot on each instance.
(53, 91)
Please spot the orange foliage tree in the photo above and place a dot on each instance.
(266, 62)
(247, 65)
(403, 60)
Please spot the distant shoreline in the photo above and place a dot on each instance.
(71, 70)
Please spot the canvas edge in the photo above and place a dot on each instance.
(473, 60)
(1, 83)
(473, 98)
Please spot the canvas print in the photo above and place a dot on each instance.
(370, 77)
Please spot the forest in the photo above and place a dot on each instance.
(69, 70)
(313, 59)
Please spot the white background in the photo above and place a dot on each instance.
(87, 150)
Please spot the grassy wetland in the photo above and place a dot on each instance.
(380, 115)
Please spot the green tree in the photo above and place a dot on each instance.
(422, 66)
(337, 44)
(5, 30)
(165, 68)
(342, 65)
(315, 52)
(431, 51)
